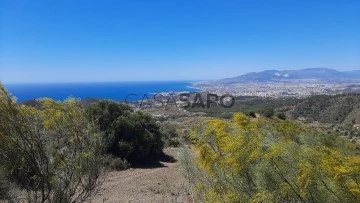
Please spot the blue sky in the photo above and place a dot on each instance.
(132, 40)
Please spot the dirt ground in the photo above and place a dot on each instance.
(160, 183)
(163, 182)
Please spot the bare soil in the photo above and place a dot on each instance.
(162, 182)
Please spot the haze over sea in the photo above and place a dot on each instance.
(107, 90)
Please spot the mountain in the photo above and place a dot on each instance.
(309, 74)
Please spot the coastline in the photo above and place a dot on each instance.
(117, 91)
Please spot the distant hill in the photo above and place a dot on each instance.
(310, 75)
(337, 109)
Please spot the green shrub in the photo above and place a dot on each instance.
(174, 142)
(131, 135)
(51, 153)
(268, 113)
(171, 136)
(281, 115)
(252, 114)
(115, 163)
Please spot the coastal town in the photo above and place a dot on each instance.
(279, 90)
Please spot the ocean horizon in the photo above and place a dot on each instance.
(117, 91)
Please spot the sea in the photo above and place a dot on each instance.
(117, 91)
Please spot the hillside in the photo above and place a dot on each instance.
(339, 109)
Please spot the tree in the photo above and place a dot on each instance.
(53, 154)
(131, 135)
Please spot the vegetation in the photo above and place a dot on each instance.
(338, 109)
(271, 160)
(48, 154)
(249, 106)
(55, 151)
(130, 135)
(328, 109)
(171, 136)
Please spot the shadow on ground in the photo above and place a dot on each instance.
(155, 163)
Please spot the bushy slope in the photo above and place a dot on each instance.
(339, 109)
